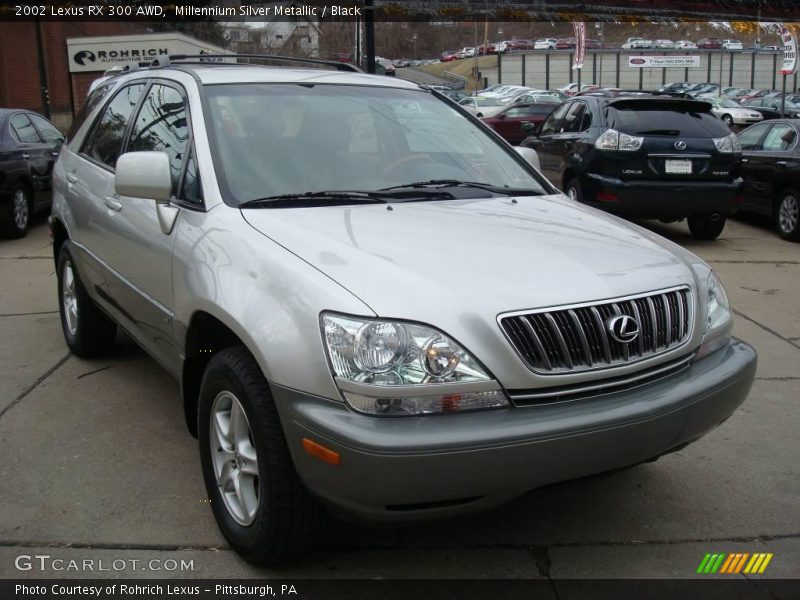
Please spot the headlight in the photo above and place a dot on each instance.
(394, 368)
(611, 139)
(718, 319)
(729, 143)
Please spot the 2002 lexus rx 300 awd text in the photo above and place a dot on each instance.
(373, 302)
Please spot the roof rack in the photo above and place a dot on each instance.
(166, 61)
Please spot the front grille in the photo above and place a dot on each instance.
(576, 338)
(581, 391)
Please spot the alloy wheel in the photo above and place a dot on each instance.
(234, 458)
(21, 212)
(788, 214)
(69, 298)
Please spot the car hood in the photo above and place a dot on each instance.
(475, 258)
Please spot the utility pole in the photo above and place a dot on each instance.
(369, 22)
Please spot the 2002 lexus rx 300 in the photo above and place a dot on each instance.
(371, 301)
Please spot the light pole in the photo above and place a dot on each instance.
(599, 28)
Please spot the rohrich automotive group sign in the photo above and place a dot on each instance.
(680, 60)
(100, 53)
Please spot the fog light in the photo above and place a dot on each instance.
(426, 405)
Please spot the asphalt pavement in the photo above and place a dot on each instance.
(98, 464)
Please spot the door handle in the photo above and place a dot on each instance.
(25, 155)
(113, 204)
(54, 153)
(745, 160)
(780, 163)
(72, 178)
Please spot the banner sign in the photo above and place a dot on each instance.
(663, 61)
(580, 44)
(789, 52)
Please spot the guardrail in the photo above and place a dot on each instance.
(459, 82)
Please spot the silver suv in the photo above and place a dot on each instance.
(373, 302)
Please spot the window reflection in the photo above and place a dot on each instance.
(161, 127)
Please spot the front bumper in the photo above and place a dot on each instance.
(648, 199)
(740, 120)
(396, 469)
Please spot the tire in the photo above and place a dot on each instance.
(787, 215)
(20, 211)
(88, 331)
(573, 190)
(703, 228)
(272, 519)
(728, 120)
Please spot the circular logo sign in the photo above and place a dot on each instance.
(622, 328)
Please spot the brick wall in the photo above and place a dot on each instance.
(19, 65)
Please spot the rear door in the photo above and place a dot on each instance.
(771, 167)
(54, 139)
(677, 141)
(90, 183)
(753, 171)
(33, 152)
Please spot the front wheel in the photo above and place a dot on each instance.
(573, 190)
(728, 120)
(787, 215)
(706, 227)
(258, 501)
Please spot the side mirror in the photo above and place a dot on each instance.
(530, 128)
(144, 175)
(530, 155)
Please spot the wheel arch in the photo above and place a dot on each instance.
(206, 334)
(59, 235)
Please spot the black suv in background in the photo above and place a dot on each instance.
(644, 157)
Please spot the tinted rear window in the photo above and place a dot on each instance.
(666, 119)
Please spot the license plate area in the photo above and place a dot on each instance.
(678, 167)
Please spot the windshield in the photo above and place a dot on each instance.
(726, 103)
(280, 139)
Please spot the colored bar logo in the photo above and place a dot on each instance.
(732, 564)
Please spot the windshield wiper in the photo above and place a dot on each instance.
(316, 199)
(445, 183)
(345, 197)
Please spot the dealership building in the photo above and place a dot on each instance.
(49, 66)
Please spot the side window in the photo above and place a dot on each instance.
(551, 123)
(91, 102)
(104, 144)
(780, 138)
(192, 189)
(24, 130)
(49, 132)
(749, 138)
(516, 112)
(161, 126)
(573, 120)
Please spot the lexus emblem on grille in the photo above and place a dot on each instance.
(680, 145)
(623, 328)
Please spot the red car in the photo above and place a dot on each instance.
(487, 49)
(448, 55)
(710, 44)
(508, 122)
(565, 43)
(522, 45)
